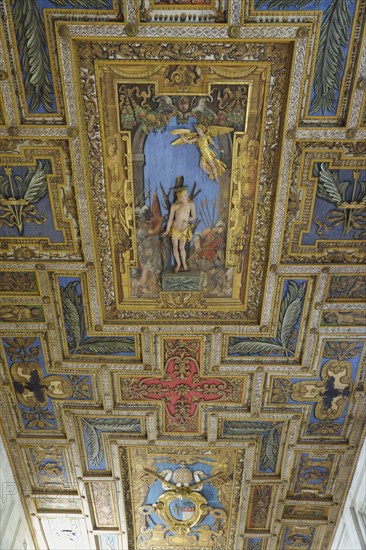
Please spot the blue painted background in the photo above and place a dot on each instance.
(164, 162)
(322, 207)
(43, 206)
(320, 5)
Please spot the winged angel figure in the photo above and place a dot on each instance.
(202, 137)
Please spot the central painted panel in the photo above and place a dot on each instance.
(180, 150)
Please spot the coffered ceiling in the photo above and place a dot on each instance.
(148, 406)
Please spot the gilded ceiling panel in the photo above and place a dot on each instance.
(182, 288)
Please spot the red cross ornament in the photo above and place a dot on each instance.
(182, 389)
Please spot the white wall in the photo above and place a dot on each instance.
(14, 530)
(351, 532)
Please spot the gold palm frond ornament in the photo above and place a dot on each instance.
(350, 204)
(18, 197)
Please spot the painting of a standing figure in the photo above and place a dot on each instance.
(182, 214)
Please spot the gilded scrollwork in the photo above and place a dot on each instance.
(184, 77)
(121, 197)
(177, 300)
(244, 178)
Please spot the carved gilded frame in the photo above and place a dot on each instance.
(301, 203)
(58, 184)
(276, 59)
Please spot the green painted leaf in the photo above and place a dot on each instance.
(254, 545)
(343, 186)
(251, 346)
(290, 320)
(269, 450)
(127, 425)
(284, 4)
(361, 196)
(246, 427)
(20, 184)
(97, 4)
(34, 57)
(5, 189)
(37, 184)
(328, 185)
(316, 169)
(73, 312)
(108, 344)
(94, 444)
(94, 428)
(290, 311)
(336, 23)
(72, 319)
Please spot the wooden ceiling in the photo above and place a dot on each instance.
(215, 408)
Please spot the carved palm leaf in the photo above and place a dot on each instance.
(5, 189)
(107, 344)
(34, 57)
(218, 130)
(246, 428)
(328, 185)
(269, 450)
(73, 312)
(361, 195)
(94, 444)
(115, 424)
(35, 184)
(188, 135)
(97, 4)
(251, 346)
(284, 4)
(290, 311)
(94, 428)
(330, 58)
